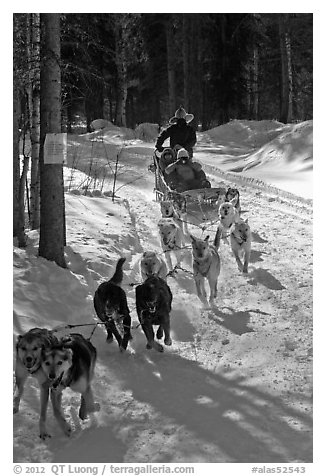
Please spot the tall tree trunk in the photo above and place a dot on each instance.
(16, 163)
(33, 53)
(94, 104)
(224, 86)
(255, 77)
(122, 93)
(286, 67)
(154, 111)
(185, 57)
(18, 186)
(255, 90)
(200, 77)
(121, 64)
(22, 238)
(18, 189)
(52, 227)
(195, 69)
(248, 89)
(170, 65)
(252, 85)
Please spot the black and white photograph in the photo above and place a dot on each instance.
(163, 241)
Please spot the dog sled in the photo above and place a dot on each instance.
(200, 204)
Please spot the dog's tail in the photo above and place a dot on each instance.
(118, 275)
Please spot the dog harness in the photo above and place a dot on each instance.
(226, 227)
(171, 244)
(58, 382)
(61, 382)
(209, 263)
(239, 239)
(150, 310)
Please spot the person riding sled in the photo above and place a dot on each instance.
(184, 174)
(181, 134)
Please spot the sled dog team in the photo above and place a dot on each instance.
(59, 363)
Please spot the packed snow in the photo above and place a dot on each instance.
(236, 384)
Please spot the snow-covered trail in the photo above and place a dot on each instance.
(246, 306)
(236, 384)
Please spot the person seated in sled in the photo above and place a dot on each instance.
(181, 134)
(186, 174)
(167, 157)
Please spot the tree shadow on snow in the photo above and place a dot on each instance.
(91, 445)
(243, 422)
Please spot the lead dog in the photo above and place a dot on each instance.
(241, 243)
(231, 194)
(206, 264)
(29, 356)
(110, 303)
(151, 264)
(70, 363)
(153, 304)
(172, 240)
(228, 215)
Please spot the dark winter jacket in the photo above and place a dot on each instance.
(181, 134)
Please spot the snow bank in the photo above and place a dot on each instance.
(294, 145)
(147, 132)
(250, 133)
(109, 131)
(99, 124)
(280, 155)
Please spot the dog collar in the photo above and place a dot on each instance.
(226, 226)
(33, 370)
(151, 315)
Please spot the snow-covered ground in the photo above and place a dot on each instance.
(236, 385)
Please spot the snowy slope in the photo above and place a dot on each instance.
(279, 154)
(236, 385)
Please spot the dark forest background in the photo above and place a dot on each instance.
(134, 68)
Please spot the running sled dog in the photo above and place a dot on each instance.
(170, 209)
(110, 303)
(71, 363)
(153, 304)
(56, 364)
(240, 238)
(228, 215)
(152, 265)
(30, 348)
(206, 265)
(231, 194)
(172, 240)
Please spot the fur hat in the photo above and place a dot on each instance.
(167, 151)
(182, 153)
(181, 114)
